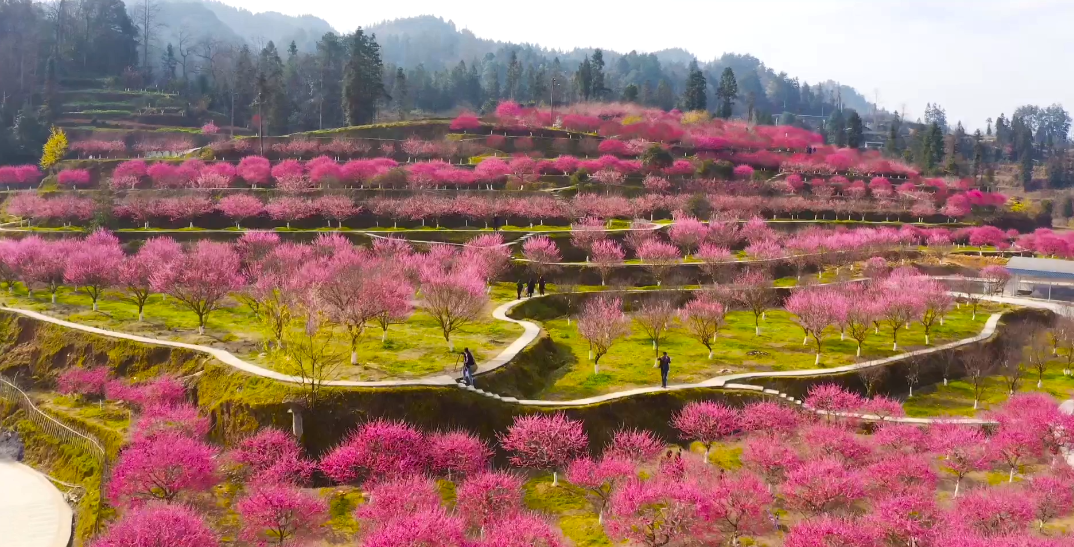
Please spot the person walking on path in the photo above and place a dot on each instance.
(469, 365)
(540, 285)
(529, 288)
(518, 288)
(664, 362)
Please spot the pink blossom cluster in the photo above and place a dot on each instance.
(99, 148)
(19, 175)
(173, 145)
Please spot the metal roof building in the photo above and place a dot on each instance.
(1032, 275)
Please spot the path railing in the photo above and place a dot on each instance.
(59, 430)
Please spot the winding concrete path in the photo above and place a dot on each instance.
(33, 512)
(530, 333)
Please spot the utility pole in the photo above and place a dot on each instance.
(260, 123)
(552, 100)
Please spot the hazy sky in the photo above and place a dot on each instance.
(976, 58)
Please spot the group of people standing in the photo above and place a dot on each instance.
(528, 287)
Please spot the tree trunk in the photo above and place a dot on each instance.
(354, 357)
(555, 478)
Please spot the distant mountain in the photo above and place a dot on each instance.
(437, 44)
(281, 29)
(195, 20)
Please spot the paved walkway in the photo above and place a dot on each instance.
(33, 513)
(530, 333)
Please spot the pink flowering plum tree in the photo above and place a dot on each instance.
(606, 255)
(542, 254)
(159, 525)
(136, 271)
(239, 207)
(488, 497)
(272, 456)
(161, 468)
(201, 278)
(545, 442)
(376, 451)
(600, 478)
(658, 257)
(453, 299)
(94, 266)
(457, 454)
(602, 323)
(822, 486)
(280, 515)
(702, 317)
(634, 445)
(707, 422)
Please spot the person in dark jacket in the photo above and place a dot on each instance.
(664, 362)
(540, 285)
(530, 287)
(469, 365)
(518, 288)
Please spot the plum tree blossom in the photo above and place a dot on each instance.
(703, 317)
(753, 290)
(157, 525)
(822, 486)
(397, 499)
(633, 445)
(457, 453)
(161, 468)
(655, 317)
(94, 266)
(376, 451)
(707, 422)
(488, 497)
(239, 207)
(522, 529)
(453, 300)
(542, 254)
(658, 257)
(201, 278)
(606, 255)
(280, 515)
(272, 456)
(602, 322)
(544, 442)
(600, 478)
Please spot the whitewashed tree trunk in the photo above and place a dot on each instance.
(354, 357)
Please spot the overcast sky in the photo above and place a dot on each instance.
(976, 58)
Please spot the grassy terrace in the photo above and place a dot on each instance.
(956, 398)
(413, 350)
(629, 363)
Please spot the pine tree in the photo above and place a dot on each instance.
(330, 55)
(647, 93)
(665, 97)
(695, 96)
(169, 63)
(855, 131)
(584, 78)
(836, 129)
(400, 93)
(514, 76)
(538, 84)
(630, 93)
(272, 91)
(978, 154)
(363, 79)
(599, 90)
(726, 93)
(892, 146)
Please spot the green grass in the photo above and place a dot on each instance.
(956, 398)
(414, 349)
(569, 506)
(629, 363)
